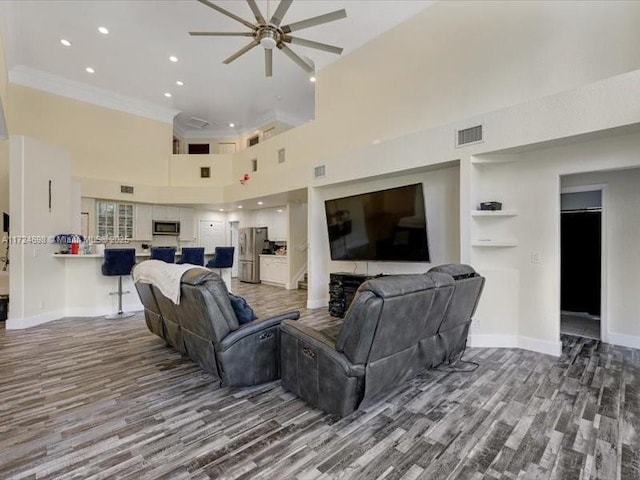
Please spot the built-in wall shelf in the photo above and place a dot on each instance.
(494, 213)
(495, 243)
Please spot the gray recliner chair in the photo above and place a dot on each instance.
(204, 327)
(396, 327)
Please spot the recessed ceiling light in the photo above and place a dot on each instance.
(65, 42)
(222, 209)
(173, 58)
(260, 203)
(239, 206)
(103, 30)
(179, 83)
(90, 70)
(231, 125)
(312, 79)
(279, 210)
(167, 94)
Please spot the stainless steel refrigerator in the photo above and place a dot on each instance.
(250, 243)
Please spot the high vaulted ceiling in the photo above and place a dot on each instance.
(133, 59)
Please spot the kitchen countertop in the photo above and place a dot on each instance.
(100, 255)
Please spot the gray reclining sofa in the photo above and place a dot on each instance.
(204, 327)
(396, 327)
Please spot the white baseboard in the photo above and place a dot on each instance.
(493, 341)
(323, 302)
(515, 341)
(46, 317)
(100, 311)
(542, 346)
(624, 340)
(28, 322)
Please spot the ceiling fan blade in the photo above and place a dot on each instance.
(293, 56)
(256, 11)
(313, 21)
(280, 12)
(311, 44)
(228, 13)
(221, 34)
(268, 62)
(240, 52)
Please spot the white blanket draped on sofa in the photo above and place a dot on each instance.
(165, 276)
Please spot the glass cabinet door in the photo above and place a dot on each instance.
(125, 220)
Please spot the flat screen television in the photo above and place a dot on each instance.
(387, 225)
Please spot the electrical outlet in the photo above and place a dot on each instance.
(535, 257)
(476, 324)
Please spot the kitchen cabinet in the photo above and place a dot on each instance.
(164, 212)
(187, 232)
(144, 222)
(278, 224)
(275, 219)
(274, 269)
(262, 219)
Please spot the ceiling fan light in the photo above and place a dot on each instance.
(268, 40)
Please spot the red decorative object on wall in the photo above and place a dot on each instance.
(245, 178)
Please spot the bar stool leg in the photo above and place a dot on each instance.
(120, 313)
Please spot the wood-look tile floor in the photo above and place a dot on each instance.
(96, 398)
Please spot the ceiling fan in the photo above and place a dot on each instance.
(269, 34)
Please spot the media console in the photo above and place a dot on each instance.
(342, 289)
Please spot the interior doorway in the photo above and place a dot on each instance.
(581, 266)
(234, 227)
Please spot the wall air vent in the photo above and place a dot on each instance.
(319, 171)
(281, 155)
(469, 136)
(126, 189)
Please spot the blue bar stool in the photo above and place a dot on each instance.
(223, 258)
(192, 256)
(166, 254)
(119, 262)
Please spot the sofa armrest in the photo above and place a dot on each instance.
(325, 345)
(256, 326)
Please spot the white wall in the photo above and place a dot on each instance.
(458, 59)
(37, 280)
(442, 199)
(530, 183)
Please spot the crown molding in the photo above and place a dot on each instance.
(258, 123)
(177, 128)
(33, 78)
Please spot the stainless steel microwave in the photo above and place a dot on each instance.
(166, 227)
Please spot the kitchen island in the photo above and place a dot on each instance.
(87, 292)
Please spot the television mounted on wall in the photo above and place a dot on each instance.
(386, 225)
